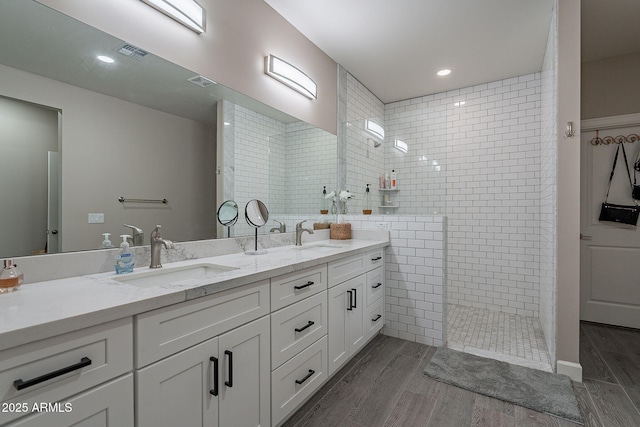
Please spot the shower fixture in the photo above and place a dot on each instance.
(376, 143)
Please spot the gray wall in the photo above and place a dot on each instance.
(27, 133)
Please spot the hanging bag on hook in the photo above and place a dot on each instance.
(624, 214)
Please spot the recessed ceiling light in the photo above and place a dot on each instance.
(106, 59)
(444, 72)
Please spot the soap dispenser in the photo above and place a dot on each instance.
(106, 243)
(10, 277)
(125, 259)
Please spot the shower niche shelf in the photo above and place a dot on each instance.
(387, 203)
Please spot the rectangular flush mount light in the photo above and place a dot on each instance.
(374, 128)
(290, 76)
(186, 12)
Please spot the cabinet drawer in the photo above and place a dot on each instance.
(168, 330)
(374, 318)
(345, 269)
(109, 405)
(55, 368)
(297, 326)
(293, 287)
(374, 259)
(297, 379)
(375, 285)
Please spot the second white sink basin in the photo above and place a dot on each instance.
(318, 246)
(167, 276)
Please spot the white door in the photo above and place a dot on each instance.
(357, 330)
(53, 203)
(609, 252)
(245, 376)
(338, 333)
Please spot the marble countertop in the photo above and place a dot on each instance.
(43, 309)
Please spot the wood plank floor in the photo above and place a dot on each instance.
(384, 385)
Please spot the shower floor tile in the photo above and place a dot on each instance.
(502, 336)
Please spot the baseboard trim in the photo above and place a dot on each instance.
(570, 369)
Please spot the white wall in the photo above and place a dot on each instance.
(113, 148)
(239, 35)
(480, 164)
(609, 87)
(27, 133)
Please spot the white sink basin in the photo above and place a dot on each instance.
(167, 276)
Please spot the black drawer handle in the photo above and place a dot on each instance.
(306, 285)
(214, 390)
(19, 384)
(230, 382)
(350, 299)
(308, 325)
(376, 286)
(311, 372)
(376, 258)
(375, 319)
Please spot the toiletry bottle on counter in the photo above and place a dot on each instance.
(106, 243)
(387, 181)
(125, 259)
(394, 179)
(10, 277)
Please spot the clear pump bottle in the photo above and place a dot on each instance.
(10, 277)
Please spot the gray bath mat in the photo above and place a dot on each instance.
(533, 389)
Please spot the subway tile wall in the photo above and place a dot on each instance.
(474, 154)
(301, 160)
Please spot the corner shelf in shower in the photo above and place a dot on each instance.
(386, 200)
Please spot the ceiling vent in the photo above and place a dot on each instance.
(201, 81)
(132, 51)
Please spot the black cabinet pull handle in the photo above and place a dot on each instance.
(308, 325)
(350, 299)
(355, 298)
(19, 384)
(376, 258)
(306, 285)
(376, 286)
(214, 390)
(230, 382)
(375, 319)
(306, 377)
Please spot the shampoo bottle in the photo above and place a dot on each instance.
(125, 259)
(10, 277)
(394, 179)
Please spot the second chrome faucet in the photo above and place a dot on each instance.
(299, 231)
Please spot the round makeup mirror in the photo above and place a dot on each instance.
(257, 215)
(228, 215)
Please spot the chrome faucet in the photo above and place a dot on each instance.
(137, 234)
(299, 231)
(156, 245)
(281, 229)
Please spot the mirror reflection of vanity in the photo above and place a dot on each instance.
(136, 129)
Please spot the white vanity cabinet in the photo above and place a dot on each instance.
(80, 377)
(354, 297)
(219, 374)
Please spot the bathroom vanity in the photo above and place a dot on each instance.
(232, 340)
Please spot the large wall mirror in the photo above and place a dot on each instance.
(79, 134)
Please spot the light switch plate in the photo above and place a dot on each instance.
(96, 218)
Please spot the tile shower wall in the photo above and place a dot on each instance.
(474, 154)
(548, 179)
(290, 180)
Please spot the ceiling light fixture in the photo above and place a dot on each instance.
(187, 12)
(444, 72)
(374, 128)
(106, 59)
(290, 76)
(401, 146)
